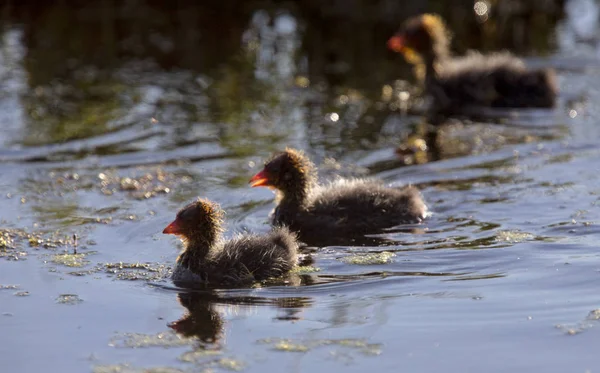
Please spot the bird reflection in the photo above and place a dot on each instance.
(314, 240)
(201, 321)
(204, 322)
(291, 308)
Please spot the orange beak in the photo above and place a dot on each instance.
(396, 43)
(172, 228)
(260, 179)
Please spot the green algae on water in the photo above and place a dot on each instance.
(139, 340)
(230, 364)
(121, 265)
(8, 246)
(123, 271)
(14, 241)
(513, 236)
(34, 241)
(71, 260)
(383, 257)
(305, 269)
(208, 366)
(5, 242)
(138, 271)
(81, 273)
(139, 184)
(288, 345)
(197, 355)
(125, 368)
(362, 345)
(206, 359)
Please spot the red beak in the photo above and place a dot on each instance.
(172, 228)
(396, 43)
(260, 179)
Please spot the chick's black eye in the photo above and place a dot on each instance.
(410, 32)
(275, 169)
(185, 214)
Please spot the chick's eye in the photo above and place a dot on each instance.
(185, 214)
(287, 176)
(411, 32)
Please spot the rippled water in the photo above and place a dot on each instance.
(502, 277)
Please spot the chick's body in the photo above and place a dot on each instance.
(246, 258)
(243, 259)
(454, 83)
(496, 80)
(356, 206)
(344, 207)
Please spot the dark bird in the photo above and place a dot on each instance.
(475, 80)
(208, 258)
(343, 208)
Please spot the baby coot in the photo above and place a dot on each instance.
(496, 80)
(346, 207)
(208, 258)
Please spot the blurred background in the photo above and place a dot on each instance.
(81, 68)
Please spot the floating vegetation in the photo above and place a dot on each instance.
(222, 363)
(589, 322)
(138, 271)
(205, 358)
(571, 330)
(594, 315)
(34, 241)
(14, 241)
(139, 340)
(147, 182)
(70, 299)
(121, 265)
(305, 269)
(71, 260)
(125, 368)
(366, 348)
(513, 236)
(81, 273)
(369, 259)
(198, 355)
(413, 150)
(5, 241)
(54, 241)
(288, 345)
(8, 246)
(230, 364)
(9, 287)
(123, 271)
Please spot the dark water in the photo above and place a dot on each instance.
(114, 116)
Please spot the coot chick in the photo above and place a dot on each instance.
(496, 80)
(208, 258)
(346, 207)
